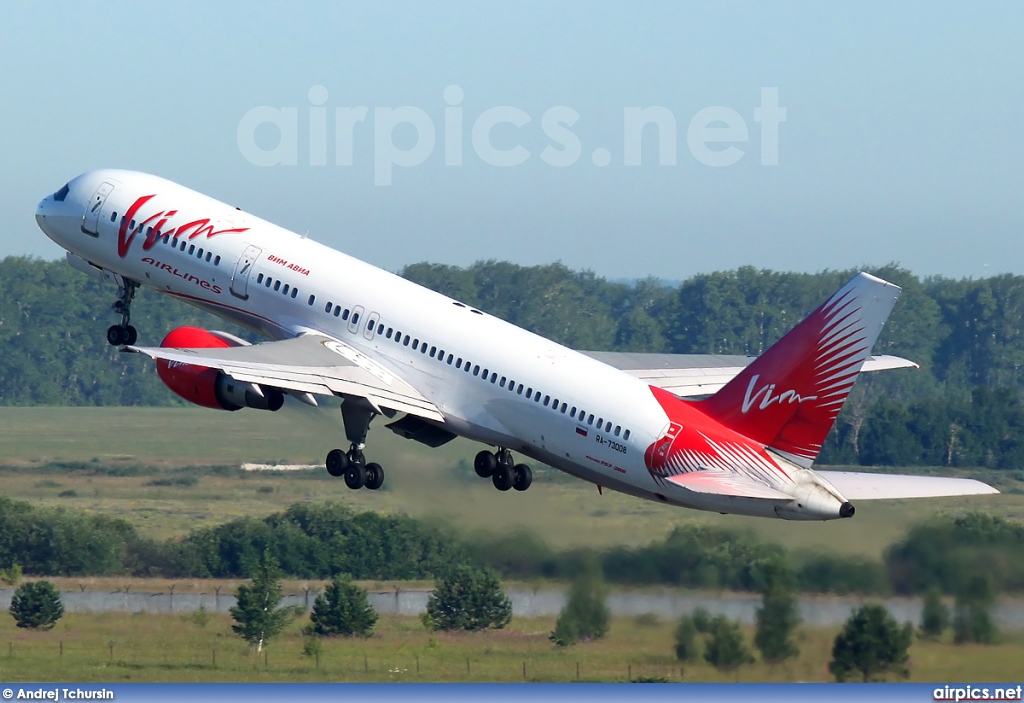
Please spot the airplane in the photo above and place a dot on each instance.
(725, 434)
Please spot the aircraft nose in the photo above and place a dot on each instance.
(41, 211)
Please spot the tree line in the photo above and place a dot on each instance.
(322, 540)
(961, 409)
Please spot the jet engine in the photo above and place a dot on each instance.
(211, 388)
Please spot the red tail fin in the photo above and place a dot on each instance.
(790, 396)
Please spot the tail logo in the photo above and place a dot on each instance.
(764, 397)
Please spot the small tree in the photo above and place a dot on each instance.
(872, 644)
(36, 605)
(342, 609)
(687, 645)
(257, 615)
(972, 619)
(11, 575)
(934, 615)
(585, 615)
(724, 647)
(777, 618)
(468, 599)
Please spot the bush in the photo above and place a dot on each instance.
(468, 598)
(724, 647)
(872, 644)
(972, 619)
(934, 615)
(777, 618)
(687, 645)
(36, 605)
(585, 615)
(342, 609)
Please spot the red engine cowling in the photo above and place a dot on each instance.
(210, 387)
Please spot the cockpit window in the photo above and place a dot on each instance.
(62, 193)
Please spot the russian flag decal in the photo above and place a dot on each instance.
(581, 430)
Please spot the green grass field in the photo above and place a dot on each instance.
(40, 448)
(119, 648)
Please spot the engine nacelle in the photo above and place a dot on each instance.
(207, 387)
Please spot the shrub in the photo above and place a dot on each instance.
(972, 619)
(468, 598)
(36, 605)
(777, 618)
(687, 645)
(342, 609)
(934, 615)
(585, 615)
(872, 644)
(724, 647)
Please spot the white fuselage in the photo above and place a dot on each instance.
(222, 259)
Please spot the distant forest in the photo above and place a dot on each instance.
(963, 408)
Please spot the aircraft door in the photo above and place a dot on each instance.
(91, 218)
(240, 276)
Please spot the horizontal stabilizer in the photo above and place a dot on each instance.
(727, 484)
(862, 486)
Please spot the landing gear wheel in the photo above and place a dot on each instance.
(522, 477)
(114, 333)
(355, 476)
(131, 335)
(503, 477)
(484, 464)
(337, 463)
(374, 476)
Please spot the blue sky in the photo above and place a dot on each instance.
(902, 141)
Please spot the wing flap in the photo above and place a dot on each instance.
(727, 484)
(689, 375)
(865, 486)
(307, 364)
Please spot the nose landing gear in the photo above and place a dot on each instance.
(123, 334)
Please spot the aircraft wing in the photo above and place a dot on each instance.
(310, 363)
(727, 484)
(704, 374)
(865, 486)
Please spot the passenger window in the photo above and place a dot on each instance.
(216, 260)
(476, 371)
(600, 421)
(433, 351)
(494, 375)
(355, 319)
(380, 328)
(209, 255)
(520, 389)
(529, 392)
(295, 292)
(286, 289)
(113, 216)
(133, 224)
(608, 427)
(547, 400)
(183, 243)
(564, 405)
(312, 299)
(259, 278)
(618, 429)
(344, 315)
(269, 281)
(327, 308)
(415, 344)
(590, 419)
(625, 435)
(458, 363)
(450, 357)
(277, 285)
(502, 384)
(337, 310)
(405, 341)
(390, 330)
(199, 253)
(573, 413)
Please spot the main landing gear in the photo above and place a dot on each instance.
(124, 333)
(502, 470)
(357, 413)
